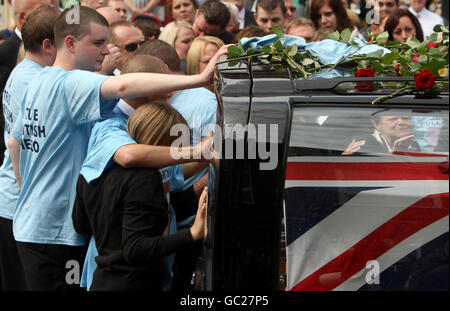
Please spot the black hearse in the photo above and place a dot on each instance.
(297, 201)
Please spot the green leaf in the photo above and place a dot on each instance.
(413, 43)
(233, 63)
(240, 47)
(422, 59)
(433, 37)
(382, 37)
(435, 52)
(276, 59)
(435, 64)
(307, 61)
(423, 48)
(392, 44)
(233, 51)
(266, 49)
(277, 44)
(252, 51)
(440, 28)
(345, 35)
(389, 57)
(334, 36)
(415, 67)
(375, 54)
(277, 30)
(291, 63)
(364, 64)
(292, 50)
(377, 67)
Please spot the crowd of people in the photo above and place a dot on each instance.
(88, 103)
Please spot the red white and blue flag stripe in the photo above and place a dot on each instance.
(343, 212)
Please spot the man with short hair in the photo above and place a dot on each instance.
(380, 10)
(270, 13)
(127, 37)
(426, 18)
(57, 114)
(120, 7)
(40, 51)
(386, 7)
(211, 19)
(163, 51)
(302, 27)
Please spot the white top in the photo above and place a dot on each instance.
(242, 18)
(427, 20)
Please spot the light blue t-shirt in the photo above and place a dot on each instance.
(55, 124)
(107, 137)
(12, 97)
(199, 108)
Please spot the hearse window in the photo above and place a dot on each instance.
(366, 199)
(338, 131)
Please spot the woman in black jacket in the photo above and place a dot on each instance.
(127, 212)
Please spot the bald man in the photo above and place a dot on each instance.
(10, 48)
(110, 14)
(93, 4)
(127, 37)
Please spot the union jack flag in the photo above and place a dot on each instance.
(343, 212)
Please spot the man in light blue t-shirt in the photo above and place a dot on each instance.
(38, 39)
(59, 109)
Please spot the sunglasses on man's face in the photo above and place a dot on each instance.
(131, 47)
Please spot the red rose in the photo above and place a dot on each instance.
(365, 72)
(416, 58)
(397, 69)
(424, 80)
(365, 86)
(432, 45)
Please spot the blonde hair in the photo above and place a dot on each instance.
(150, 124)
(170, 31)
(20, 53)
(301, 21)
(196, 51)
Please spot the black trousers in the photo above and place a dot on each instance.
(51, 267)
(11, 272)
